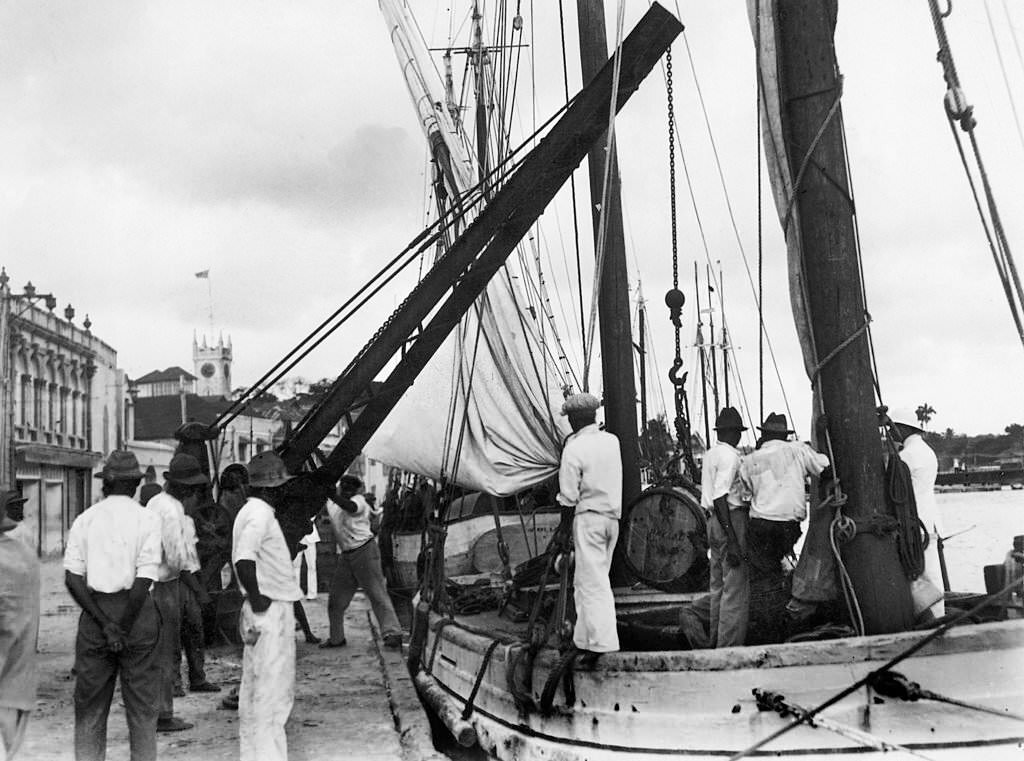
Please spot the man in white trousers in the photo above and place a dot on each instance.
(267, 620)
(590, 482)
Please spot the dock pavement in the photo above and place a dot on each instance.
(355, 702)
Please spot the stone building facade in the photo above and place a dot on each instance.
(66, 408)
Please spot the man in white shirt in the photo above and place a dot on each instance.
(590, 482)
(111, 559)
(775, 474)
(263, 564)
(924, 467)
(182, 483)
(358, 564)
(19, 629)
(727, 508)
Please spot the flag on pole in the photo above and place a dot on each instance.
(204, 275)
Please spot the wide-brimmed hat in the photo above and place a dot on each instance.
(775, 423)
(729, 419)
(121, 465)
(267, 469)
(582, 402)
(184, 469)
(9, 497)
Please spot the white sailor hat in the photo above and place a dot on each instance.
(905, 416)
(582, 402)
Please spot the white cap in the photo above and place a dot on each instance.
(582, 402)
(905, 416)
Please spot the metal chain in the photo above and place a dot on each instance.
(672, 182)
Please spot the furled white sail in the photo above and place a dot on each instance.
(762, 15)
(484, 413)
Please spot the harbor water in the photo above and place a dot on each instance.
(989, 520)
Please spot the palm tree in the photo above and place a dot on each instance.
(924, 414)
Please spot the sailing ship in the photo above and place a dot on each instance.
(501, 681)
(489, 679)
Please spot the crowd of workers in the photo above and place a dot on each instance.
(145, 572)
(755, 502)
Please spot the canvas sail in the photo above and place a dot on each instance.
(484, 413)
(762, 15)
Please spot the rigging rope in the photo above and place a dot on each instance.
(893, 684)
(767, 700)
(572, 185)
(1002, 68)
(959, 111)
(897, 659)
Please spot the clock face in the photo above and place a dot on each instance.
(208, 370)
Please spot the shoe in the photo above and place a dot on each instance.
(179, 691)
(328, 644)
(204, 687)
(586, 660)
(393, 641)
(173, 724)
(312, 639)
(230, 701)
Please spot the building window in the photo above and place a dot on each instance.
(62, 424)
(25, 400)
(74, 413)
(243, 451)
(37, 404)
(51, 394)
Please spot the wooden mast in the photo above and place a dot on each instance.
(809, 86)
(421, 323)
(613, 294)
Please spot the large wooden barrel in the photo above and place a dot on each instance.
(664, 540)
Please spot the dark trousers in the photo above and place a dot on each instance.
(768, 542)
(167, 596)
(360, 568)
(96, 669)
(191, 639)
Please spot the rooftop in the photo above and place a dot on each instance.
(170, 374)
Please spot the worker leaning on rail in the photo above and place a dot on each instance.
(775, 474)
(590, 480)
(727, 506)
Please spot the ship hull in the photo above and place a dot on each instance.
(699, 704)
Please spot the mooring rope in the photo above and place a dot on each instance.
(902, 656)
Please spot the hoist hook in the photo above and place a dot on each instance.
(673, 374)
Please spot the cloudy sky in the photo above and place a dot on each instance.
(274, 144)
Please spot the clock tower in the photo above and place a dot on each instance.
(212, 366)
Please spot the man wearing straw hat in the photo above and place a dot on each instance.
(590, 481)
(726, 504)
(267, 620)
(111, 560)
